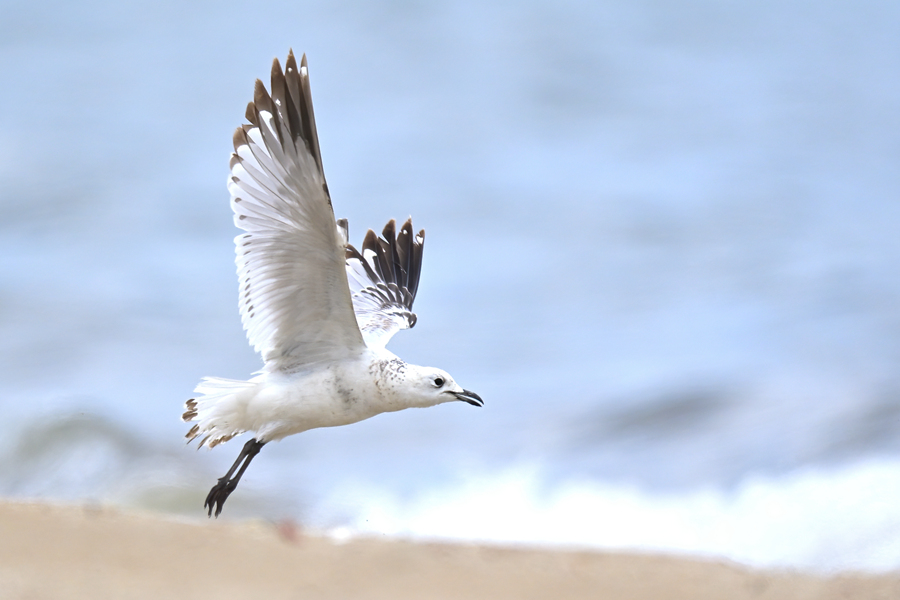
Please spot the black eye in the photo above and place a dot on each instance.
(438, 381)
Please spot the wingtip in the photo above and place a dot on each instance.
(260, 95)
(276, 68)
(239, 138)
(370, 241)
(250, 114)
(389, 232)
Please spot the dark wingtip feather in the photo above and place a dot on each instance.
(251, 115)
(307, 115)
(290, 104)
(276, 68)
(239, 138)
(286, 115)
(394, 259)
(404, 252)
(261, 97)
(370, 243)
(290, 67)
(286, 92)
(388, 253)
(388, 231)
(415, 261)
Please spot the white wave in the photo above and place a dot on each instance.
(814, 519)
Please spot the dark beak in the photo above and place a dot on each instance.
(470, 397)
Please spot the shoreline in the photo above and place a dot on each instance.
(74, 552)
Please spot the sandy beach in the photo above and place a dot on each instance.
(75, 552)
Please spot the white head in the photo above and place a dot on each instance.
(427, 386)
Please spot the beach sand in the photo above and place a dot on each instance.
(73, 552)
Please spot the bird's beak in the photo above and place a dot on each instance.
(470, 397)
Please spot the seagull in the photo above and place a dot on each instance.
(318, 310)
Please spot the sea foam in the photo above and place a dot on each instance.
(818, 520)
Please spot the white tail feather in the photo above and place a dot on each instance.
(217, 408)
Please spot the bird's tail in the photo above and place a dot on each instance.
(217, 408)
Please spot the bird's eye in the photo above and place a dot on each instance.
(438, 381)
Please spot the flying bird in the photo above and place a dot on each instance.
(318, 310)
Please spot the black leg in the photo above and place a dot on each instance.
(219, 492)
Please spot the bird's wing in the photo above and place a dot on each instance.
(294, 297)
(383, 280)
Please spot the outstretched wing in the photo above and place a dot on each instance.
(294, 298)
(383, 280)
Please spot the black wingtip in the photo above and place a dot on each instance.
(291, 63)
(276, 68)
(260, 95)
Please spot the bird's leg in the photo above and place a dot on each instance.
(219, 492)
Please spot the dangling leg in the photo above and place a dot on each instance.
(219, 492)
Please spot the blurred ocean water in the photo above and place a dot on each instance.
(661, 243)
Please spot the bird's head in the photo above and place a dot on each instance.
(427, 386)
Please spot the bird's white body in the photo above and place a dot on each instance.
(277, 404)
(319, 311)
